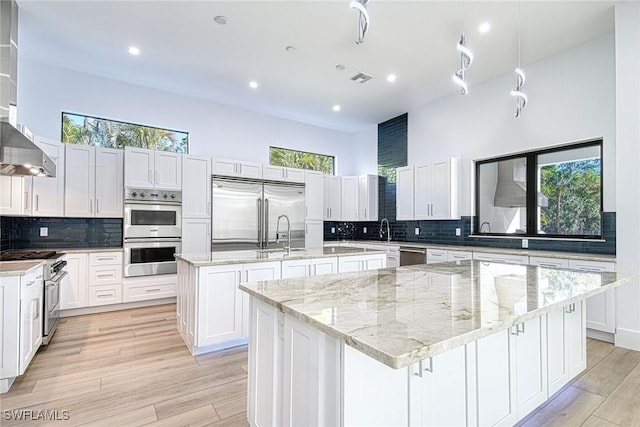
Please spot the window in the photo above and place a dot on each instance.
(87, 130)
(547, 193)
(301, 160)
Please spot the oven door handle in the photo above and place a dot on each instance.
(55, 280)
(152, 240)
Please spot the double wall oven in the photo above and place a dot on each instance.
(152, 231)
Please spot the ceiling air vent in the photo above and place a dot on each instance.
(361, 78)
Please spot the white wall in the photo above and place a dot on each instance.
(627, 17)
(44, 91)
(571, 98)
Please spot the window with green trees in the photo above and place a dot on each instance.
(301, 160)
(99, 132)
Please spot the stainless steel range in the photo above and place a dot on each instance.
(54, 273)
(152, 231)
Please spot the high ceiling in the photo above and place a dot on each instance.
(183, 50)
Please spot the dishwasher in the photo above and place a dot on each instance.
(412, 256)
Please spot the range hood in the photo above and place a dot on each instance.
(18, 154)
(511, 188)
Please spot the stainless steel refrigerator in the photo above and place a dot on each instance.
(245, 214)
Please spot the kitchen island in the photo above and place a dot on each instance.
(213, 314)
(473, 343)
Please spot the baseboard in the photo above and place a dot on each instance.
(221, 346)
(116, 307)
(601, 336)
(628, 338)
(5, 384)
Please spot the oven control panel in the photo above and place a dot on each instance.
(146, 195)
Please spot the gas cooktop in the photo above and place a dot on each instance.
(26, 255)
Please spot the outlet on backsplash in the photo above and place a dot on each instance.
(44, 231)
(364, 230)
(333, 230)
(417, 231)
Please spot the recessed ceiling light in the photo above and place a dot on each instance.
(391, 78)
(484, 27)
(253, 84)
(134, 51)
(222, 20)
(291, 49)
(336, 107)
(340, 67)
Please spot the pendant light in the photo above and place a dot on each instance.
(521, 97)
(466, 58)
(363, 18)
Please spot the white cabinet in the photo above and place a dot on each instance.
(93, 182)
(435, 256)
(196, 193)
(549, 262)
(280, 173)
(147, 288)
(237, 168)
(422, 191)
(314, 234)
(31, 307)
(73, 289)
(368, 198)
(105, 278)
(196, 235)
(456, 256)
(530, 365)
(12, 197)
(404, 193)
(313, 195)
(504, 258)
(9, 328)
(601, 308)
(332, 198)
(254, 273)
(349, 207)
(566, 345)
(152, 169)
(361, 263)
(309, 267)
(47, 194)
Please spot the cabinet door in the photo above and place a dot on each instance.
(326, 202)
(601, 308)
(531, 366)
(557, 374)
(335, 198)
(254, 273)
(324, 266)
(374, 262)
(576, 339)
(224, 167)
(196, 235)
(139, 168)
(294, 175)
(168, 170)
(442, 192)
(196, 183)
(11, 195)
(9, 326)
(368, 198)
(109, 177)
(349, 198)
(250, 170)
(435, 256)
(74, 286)
(313, 195)
(48, 193)
(458, 255)
(295, 268)
(219, 305)
(350, 263)
(80, 181)
(314, 234)
(422, 192)
(30, 322)
(404, 193)
(275, 173)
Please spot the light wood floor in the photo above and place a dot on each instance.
(130, 368)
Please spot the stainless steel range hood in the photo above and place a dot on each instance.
(511, 188)
(18, 154)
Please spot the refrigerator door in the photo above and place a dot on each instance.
(236, 215)
(284, 199)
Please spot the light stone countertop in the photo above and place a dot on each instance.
(18, 268)
(239, 257)
(402, 315)
(86, 250)
(483, 249)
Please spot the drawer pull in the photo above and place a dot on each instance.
(104, 295)
(106, 258)
(107, 275)
(153, 290)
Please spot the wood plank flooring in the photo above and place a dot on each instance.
(131, 368)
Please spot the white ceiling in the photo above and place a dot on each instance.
(185, 51)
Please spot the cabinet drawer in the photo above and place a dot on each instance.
(549, 262)
(148, 292)
(459, 255)
(436, 255)
(105, 294)
(504, 258)
(105, 275)
(105, 258)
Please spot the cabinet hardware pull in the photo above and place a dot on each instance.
(105, 295)
(419, 373)
(36, 313)
(30, 283)
(521, 331)
(106, 275)
(515, 331)
(37, 203)
(106, 258)
(91, 205)
(156, 176)
(153, 290)
(240, 167)
(97, 206)
(26, 200)
(149, 177)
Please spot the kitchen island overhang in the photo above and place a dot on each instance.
(404, 321)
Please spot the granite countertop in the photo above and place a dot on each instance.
(238, 257)
(402, 315)
(18, 268)
(483, 249)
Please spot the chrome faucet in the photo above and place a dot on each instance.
(288, 245)
(388, 231)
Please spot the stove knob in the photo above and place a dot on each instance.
(173, 196)
(134, 194)
(165, 195)
(141, 194)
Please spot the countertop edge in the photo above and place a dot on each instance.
(28, 265)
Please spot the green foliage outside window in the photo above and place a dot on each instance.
(301, 160)
(86, 130)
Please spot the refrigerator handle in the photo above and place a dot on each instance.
(259, 222)
(266, 223)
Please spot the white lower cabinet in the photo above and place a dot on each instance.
(93, 279)
(74, 286)
(309, 267)
(313, 234)
(196, 235)
(601, 308)
(500, 257)
(457, 256)
(105, 294)
(435, 256)
(361, 263)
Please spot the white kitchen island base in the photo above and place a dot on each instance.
(299, 375)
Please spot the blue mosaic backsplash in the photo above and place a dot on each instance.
(444, 233)
(64, 233)
(392, 154)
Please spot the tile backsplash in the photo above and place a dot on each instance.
(24, 232)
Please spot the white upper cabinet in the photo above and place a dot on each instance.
(237, 168)
(47, 194)
(152, 169)
(422, 193)
(279, 173)
(349, 198)
(332, 197)
(368, 198)
(313, 195)
(12, 196)
(196, 179)
(404, 193)
(94, 182)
